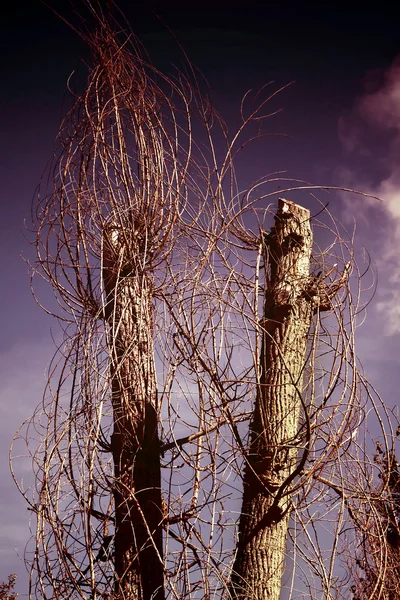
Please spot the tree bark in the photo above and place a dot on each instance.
(135, 443)
(274, 431)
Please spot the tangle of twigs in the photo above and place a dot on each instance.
(137, 208)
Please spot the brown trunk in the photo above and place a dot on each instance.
(274, 440)
(135, 443)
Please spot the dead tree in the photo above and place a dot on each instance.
(102, 231)
(272, 457)
(292, 298)
(135, 444)
(186, 314)
(376, 569)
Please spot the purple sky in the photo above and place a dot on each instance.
(342, 117)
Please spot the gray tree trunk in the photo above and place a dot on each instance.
(272, 457)
(135, 443)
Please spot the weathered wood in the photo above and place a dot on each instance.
(272, 456)
(135, 443)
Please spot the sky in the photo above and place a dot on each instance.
(341, 117)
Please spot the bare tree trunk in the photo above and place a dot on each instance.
(271, 465)
(135, 443)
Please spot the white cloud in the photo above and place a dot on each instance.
(382, 107)
(370, 135)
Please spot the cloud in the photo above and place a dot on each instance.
(370, 136)
(382, 107)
